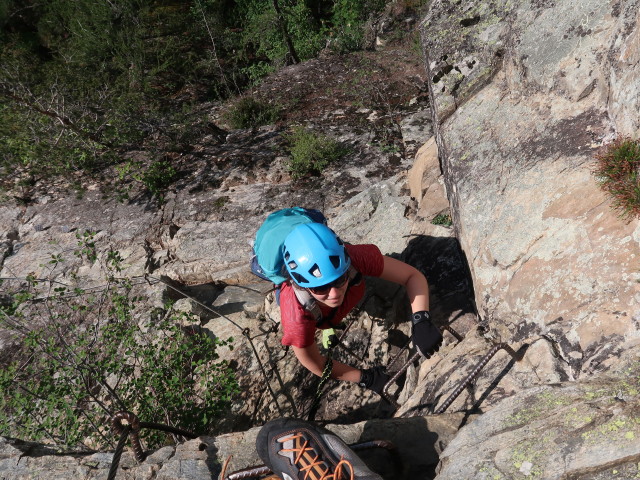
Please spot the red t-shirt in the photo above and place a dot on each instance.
(299, 325)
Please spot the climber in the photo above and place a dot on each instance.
(319, 263)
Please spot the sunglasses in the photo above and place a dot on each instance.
(324, 289)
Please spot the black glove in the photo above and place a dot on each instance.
(374, 379)
(425, 335)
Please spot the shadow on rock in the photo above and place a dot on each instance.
(416, 449)
(443, 262)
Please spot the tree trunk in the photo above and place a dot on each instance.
(283, 28)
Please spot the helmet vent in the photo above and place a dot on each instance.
(335, 260)
(315, 271)
(292, 265)
(298, 278)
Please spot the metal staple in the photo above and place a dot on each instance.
(500, 346)
(385, 391)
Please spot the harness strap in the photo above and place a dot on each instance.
(308, 303)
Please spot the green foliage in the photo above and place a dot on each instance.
(443, 219)
(93, 356)
(81, 82)
(84, 83)
(349, 17)
(618, 172)
(155, 177)
(311, 152)
(265, 33)
(389, 148)
(86, 246)
(32, 142)
(256, 71)
(220, 202)
(347, 23)
(249, 112)
(310, 26)
(305, 29)
(148, 45)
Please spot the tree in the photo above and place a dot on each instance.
(282, 23)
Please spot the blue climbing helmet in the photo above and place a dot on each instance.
(314, 255)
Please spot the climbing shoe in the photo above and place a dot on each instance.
(298, 450)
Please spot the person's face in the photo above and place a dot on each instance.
(332, 295)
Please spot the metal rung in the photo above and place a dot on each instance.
(385, 390)
(517, 356)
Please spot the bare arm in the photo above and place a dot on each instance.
(414, 281)
(313, 361)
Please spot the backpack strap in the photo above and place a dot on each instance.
(355, 277)
(309, 303)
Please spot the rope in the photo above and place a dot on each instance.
(326, 374)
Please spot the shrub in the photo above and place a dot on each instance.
(311, 152)
(249, 112)
(443, 219)
(618, 173)
(257, 71)
(155, 178)
(84, 355)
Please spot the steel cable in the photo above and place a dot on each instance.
(133, 427)
(245, 333)
(115, 462)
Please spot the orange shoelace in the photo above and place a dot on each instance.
(315, 462)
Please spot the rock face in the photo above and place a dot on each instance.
(524, 94)
(418, 443)
(549, 257)
(578, 430)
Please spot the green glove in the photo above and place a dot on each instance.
(326, 337)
